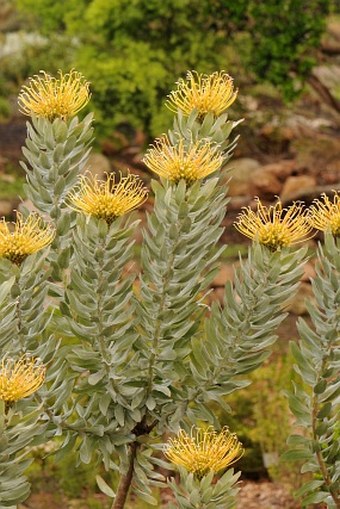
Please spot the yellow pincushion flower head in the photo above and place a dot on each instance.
(49, 97)
(206, 93)
(204, 450)
(20, 378)
(25, 238)
(193, 161)
(275, 227)
(108, 199)
(324, 215)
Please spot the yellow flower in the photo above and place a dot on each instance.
(49, 97)
(204, 450)
(108, 199)
(205, 93)
(27, 237)
(176, 162)
(274, 227)
(325, 215)
(19, 379)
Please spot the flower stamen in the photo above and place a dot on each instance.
(108, 199)
(21, 378)
(190, 162)
(324, 215)
(49, 97)
(206, 93)
(27, 237)
(275, 227)
(204, 450)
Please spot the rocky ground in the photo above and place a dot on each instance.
(265, 495)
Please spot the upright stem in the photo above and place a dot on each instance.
(101, 340)
(21, 339)
(162, 297)
(125, 481)
(320, 459)
(156, 337)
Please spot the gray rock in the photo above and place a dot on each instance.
(98, 165)
(5, 208)
(240, 172)
(297, 187)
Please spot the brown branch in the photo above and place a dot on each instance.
(125, 481)
(323, 92)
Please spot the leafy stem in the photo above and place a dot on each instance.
(102, 345)
(125, 480)
(157, 332)
(318, 452)
(19, 322)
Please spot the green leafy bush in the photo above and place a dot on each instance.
(130, 50)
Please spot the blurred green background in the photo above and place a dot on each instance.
(133, 50)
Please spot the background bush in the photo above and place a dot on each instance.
(131, 49)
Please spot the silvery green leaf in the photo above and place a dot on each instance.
(104, 487)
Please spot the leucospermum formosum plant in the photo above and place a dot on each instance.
(129, 360)
(314, 399)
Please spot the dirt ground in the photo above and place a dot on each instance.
(253, 495)
(265, 495)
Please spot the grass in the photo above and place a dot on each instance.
(9, 190)
(233, 251)
(11, 183)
